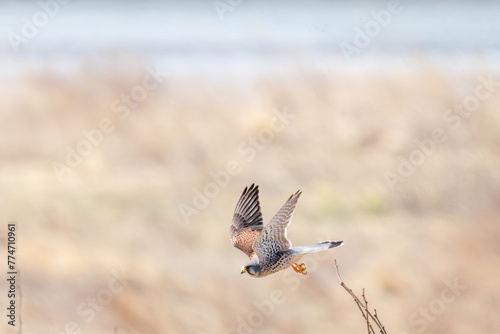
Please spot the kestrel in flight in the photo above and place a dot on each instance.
(267, 247)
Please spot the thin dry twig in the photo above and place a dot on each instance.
(363, 307)
(376, 317)
(368, 325)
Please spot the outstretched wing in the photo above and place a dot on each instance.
(273, 238)
(247, 221)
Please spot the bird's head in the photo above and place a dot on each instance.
(251, 268)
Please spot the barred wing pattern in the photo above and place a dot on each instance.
(247, 221)
(273, 238)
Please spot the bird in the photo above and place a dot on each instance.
(267, 246)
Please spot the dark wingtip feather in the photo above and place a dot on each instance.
(333, 243)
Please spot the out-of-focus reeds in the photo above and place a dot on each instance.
(118, 210)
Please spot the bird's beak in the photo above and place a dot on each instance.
(243, 271)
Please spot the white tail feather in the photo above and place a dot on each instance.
(315, 248)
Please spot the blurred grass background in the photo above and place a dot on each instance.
(104, 248)
(119, 209)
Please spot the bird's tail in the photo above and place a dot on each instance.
(315, 248)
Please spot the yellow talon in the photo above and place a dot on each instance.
(300, 268)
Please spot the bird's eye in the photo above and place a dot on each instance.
(247, 267)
